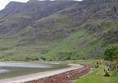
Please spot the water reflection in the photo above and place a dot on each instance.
(4, 71)
(14, 69)
(25, 65)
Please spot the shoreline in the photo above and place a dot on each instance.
(66, 77)
(40, 75)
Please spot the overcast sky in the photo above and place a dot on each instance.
(3, 3)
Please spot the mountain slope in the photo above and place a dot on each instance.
(59, 30)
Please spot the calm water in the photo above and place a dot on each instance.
(13, 69)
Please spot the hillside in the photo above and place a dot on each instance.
(57, 30)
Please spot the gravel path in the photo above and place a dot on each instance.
(40, 74)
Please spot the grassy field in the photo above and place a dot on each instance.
(97, 76)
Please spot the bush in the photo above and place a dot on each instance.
(111, 52)
(43, 58)
(32, 58)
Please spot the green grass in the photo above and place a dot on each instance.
(77, 46)
(97, 78)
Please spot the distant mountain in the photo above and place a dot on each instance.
(57, 30)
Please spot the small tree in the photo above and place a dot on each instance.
(111, 52)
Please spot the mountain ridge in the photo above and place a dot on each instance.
(58, 30)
